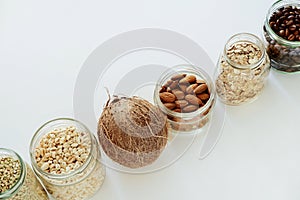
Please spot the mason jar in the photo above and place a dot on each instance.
(284, 50)
(24, 186)
(242, 69)
(73, 143)
(180, 121)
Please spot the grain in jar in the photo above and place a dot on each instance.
(242, 69)
(66, 157)
(17, 180)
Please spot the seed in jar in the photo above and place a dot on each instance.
(186, 97)
(200, 89)
(244, 53)
(178, 94)
(167, 97)
(190, 108)
(190, 89)
(61, 151)
(193, 100)
(10, 171)
(203, 96)
(285, 22)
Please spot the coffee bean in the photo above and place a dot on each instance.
(286, 20)
(293, 27)
(281, 32)
(291, 37)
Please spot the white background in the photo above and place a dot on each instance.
(44, 43)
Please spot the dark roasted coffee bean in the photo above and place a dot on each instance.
(291, 37)
(293, 27)
(281, 32)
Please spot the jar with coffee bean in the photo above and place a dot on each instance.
(185, 93)
(17, 180)
(242, 69)
(282, 35)
(65, 155)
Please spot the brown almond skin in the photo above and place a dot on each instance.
(200, 81)
(193, 100)
(191, 78)
(177, 76)
(178, 94)
(163, 89)
(183, 87)
(203, 96)
(170, 106)
(200, 89)
(173, 85)
(167, 97)
(168, 83)
(191, 88)
(181, 103)
(177, 110)
(184, 81)
(190, 108)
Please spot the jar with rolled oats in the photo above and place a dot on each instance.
(66, 157)
(242, 69)
(17, 180)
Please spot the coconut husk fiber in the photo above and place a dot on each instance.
(132, 131)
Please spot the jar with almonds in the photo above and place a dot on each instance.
(185, 93)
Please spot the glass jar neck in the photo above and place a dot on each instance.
(244, 38)
(12, 191)
(276, 6)
(52, 125)
(185, 69)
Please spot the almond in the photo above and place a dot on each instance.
(203, 96)
(163, 89)
(193, 99)
(173, 85)
(191, 88)
(177, 76)
(191, 78)
(181, 103)
(168, 83)
(190, 108)
(170, 106)
(167, 97)
(200, 89)
(183, 87)
(177, 110)
(178, 94)
(200, 81)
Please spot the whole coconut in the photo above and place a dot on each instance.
(132, 131)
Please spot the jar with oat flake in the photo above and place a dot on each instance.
(65, 155)
(242, 69)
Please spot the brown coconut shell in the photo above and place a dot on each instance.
(132, 131)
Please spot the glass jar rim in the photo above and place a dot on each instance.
(12, 191)
(259, 44)
(181, 68)
(275, 6)
(73, 172)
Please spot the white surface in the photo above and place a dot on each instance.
(44, 43)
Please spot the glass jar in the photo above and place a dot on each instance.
(242, 69)
(26, 187)
(187, 122)
(63, 181)
(284, 54)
